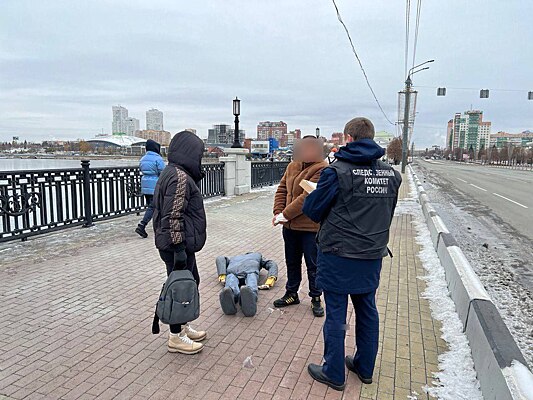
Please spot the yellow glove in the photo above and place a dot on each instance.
(268, 284)
(222, 278)
(270, 281)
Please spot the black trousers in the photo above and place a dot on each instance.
(168, 258)
(300, 244)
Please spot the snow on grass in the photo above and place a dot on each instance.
(456, 378)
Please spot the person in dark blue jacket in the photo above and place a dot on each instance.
(354, 201)
(151, 166)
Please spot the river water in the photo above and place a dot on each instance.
(12, 164)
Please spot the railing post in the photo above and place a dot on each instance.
(87, 194)
(272, 171)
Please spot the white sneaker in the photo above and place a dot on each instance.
(193, 334)
(181, 343)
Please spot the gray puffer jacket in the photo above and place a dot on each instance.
(244, 264)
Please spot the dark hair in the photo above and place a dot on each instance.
(359, 128)
(309, 137)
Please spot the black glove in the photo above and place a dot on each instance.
(180, 257)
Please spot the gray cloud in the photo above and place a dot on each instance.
(63, 64)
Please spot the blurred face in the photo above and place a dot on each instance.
(308, 150)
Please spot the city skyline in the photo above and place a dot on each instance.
(51, 86)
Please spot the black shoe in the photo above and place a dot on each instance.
(348, 360)
(316, 373)
(141, 231)
(288, 300)
(316, 306)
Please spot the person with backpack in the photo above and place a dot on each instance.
(299, 231)
(180, 223)
(354, 202)
(151, 166)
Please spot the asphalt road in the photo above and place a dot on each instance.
(508, 193)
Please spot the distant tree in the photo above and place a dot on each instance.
(494, 155)
(504, 154)
(458, 154)
(85, 147)
(482, 154)
(447, 153)
(394, 150)
(518, 155)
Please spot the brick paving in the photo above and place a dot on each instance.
(75, 323)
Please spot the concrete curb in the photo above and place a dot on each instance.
(501, 368)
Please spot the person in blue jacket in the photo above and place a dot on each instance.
(151, 165)
(354, 202)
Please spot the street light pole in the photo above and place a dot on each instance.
(317, 132)
(405, 133)
(236, 112)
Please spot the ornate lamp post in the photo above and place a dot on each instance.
(236, 112)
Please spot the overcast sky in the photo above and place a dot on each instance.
(63, 64)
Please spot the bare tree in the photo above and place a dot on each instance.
(394, 150)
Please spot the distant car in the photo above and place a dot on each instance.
(426, 157)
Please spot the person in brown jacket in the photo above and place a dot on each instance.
(299, 231)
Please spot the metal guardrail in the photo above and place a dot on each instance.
(41, 201)
(267, 173)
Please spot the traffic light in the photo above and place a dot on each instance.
(484, 93)
(530, 95)
(441, 91)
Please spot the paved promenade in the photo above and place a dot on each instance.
(77, 308)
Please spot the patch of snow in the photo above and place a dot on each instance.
(520, 380)
(457, 376)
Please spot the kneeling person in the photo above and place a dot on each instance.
(240, 275)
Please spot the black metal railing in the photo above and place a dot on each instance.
(267, 173)
(34, 202)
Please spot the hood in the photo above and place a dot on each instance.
(152, 145)
(360, 151)
(186, 151)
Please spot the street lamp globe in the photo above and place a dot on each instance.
(236, 107)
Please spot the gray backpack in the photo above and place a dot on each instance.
(179, 301)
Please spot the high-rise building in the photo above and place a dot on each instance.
(267, 129)
(468, 131)
(223, 134)
(120, 114)
(132, 126)
(289, 138)
(161, 137)
(154, 120)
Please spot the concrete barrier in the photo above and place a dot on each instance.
(436, 228)
(501, 368)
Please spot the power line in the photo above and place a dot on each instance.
(360, 64)
(467, 88)
(418, 9)
(407, 17)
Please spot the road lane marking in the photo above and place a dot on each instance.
(462, 180)
(480, 188)
(512, 201)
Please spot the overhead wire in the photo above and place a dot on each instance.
(407, 17)
(360, 63)
(417, 24)
(467, 88)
